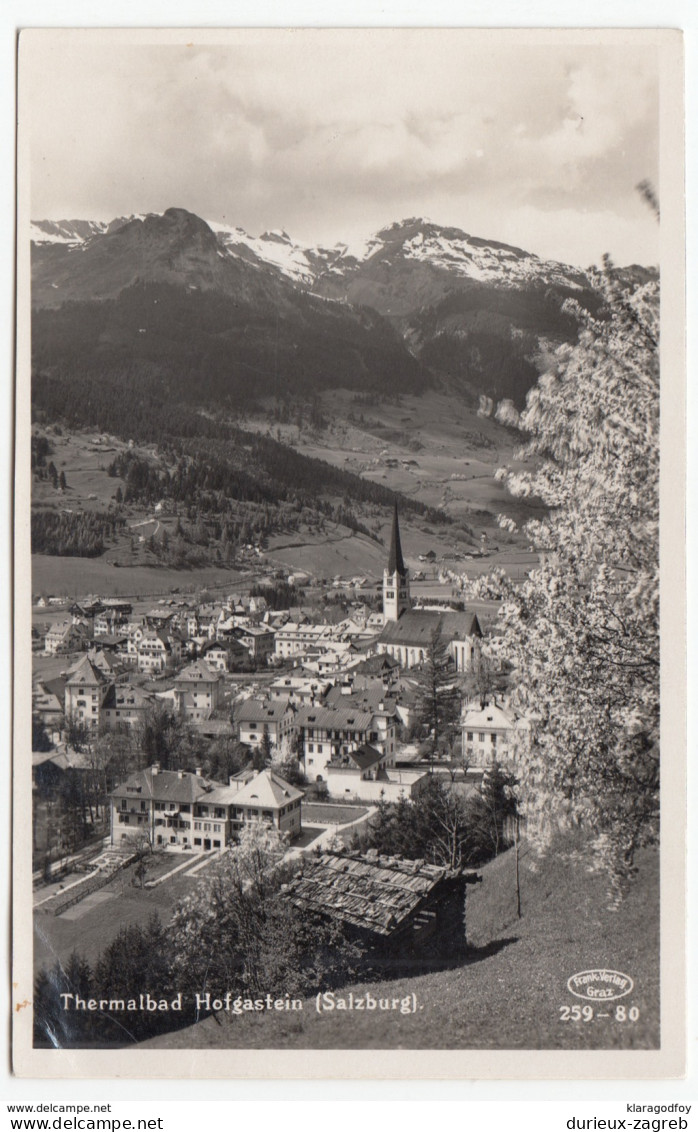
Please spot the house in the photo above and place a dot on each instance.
(159, 806)
(113, 617)
(261, 796)
(125, 706)
(345, 773)
(177, 810)
(64, 637)
(400, 700)
(158, 620)
(295, 638)
(299, 688)
(490, 734)
(224, 655)
(329, 732)
(157, 652)
(197, 691)
(398, 909)
(256, 718)
(48, 702)
(86, 689)
(258, 640)
(100, 660)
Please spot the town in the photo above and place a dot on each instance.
(336, 707)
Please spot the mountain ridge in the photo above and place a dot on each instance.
(416, 303)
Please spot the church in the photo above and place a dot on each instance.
(407, 632)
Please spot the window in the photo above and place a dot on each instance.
(469, 736)
(197, 840)
(481, 737)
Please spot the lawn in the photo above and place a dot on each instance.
(511, 992)
(90, 926)
(330, 815)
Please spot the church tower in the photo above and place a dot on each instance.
(396, 585)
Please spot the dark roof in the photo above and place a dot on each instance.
(375, 894)
(379, 662)
(364, 756)
(416, 626)
(164, 786)
(127, 696)
(334, 719)
(365, 699)
(259, 711)
(395, 559)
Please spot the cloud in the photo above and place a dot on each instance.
(319, 131)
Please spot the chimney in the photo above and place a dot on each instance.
(180, 774)
(198, 770)
(155, 769)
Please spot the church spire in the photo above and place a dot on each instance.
(396, 563)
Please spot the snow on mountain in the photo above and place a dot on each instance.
(274, 249)
(75, 232)
(71, 232)
(469, 257)
(416, 239)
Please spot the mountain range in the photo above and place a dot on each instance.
(205, 312)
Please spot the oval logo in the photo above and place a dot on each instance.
(600, 985)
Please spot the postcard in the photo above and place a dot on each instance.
(349, 478)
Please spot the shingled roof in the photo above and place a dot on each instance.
(377, 895)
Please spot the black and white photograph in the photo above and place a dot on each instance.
(341, 483)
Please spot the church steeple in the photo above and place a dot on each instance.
(396, 563)
(396, 586)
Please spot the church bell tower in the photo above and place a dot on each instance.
(396, 585)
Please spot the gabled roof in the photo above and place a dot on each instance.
(379, 662)
(199, 671)
(86, 673)
(124, 696)
(266, 791)
(416, 627)
(375, 894)
(489, 716)
(363, 757)
(259, 711)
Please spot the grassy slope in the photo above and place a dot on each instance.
(509, 993)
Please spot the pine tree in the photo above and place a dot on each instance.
(440, 701)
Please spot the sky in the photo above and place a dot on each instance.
(332, 135)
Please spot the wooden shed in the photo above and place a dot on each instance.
(399, 909)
